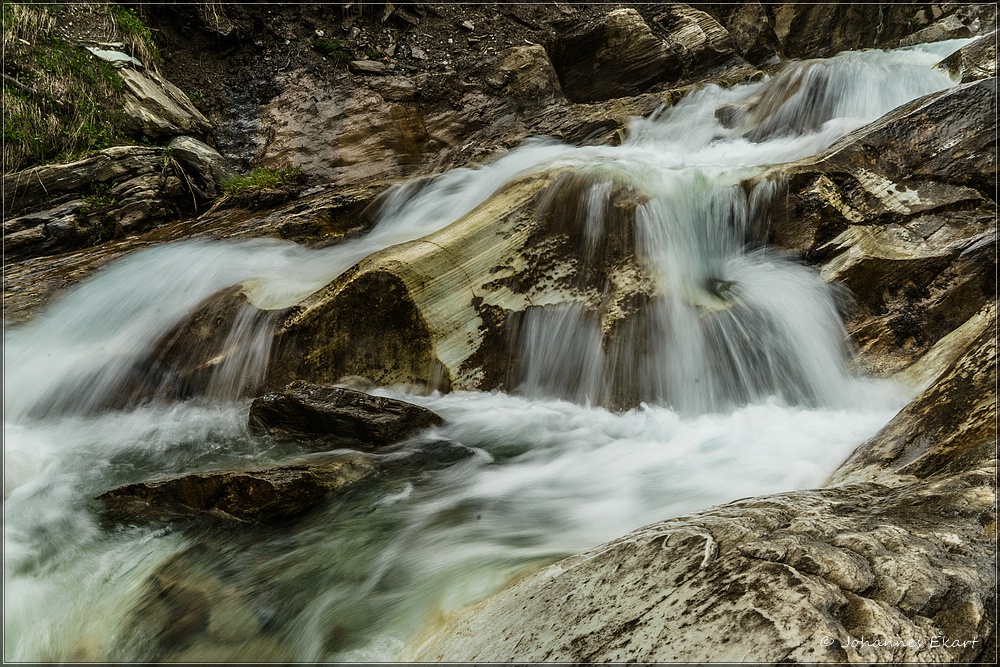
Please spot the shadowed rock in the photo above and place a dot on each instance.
(336, 414)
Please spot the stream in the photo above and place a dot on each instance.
(743, 374)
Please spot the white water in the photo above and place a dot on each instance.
(550, 477)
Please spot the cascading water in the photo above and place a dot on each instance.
(738, 363)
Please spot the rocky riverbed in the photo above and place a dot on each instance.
(335, 221)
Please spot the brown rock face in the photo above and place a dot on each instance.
(336, 414)
(620, 54)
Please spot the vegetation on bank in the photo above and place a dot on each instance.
(261, 187)
(59, 100)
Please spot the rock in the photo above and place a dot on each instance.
(321, 217)
(418, 54)
(527, 75)
(467, 25)
(899, 552)
(159, 109)
(112, 194)
(266, 495)
(949, 428)
(798, 577)
(116, 58)
(337, 414)
(974, 61)
(421, 314)
(620, 55)
(901, 212)
(950, 27)
(367, 67)
(203, 163)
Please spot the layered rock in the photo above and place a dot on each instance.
(901, 212)
(619, 54)
(159, 109)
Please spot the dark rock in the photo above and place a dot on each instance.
(266, 495)
(336, 414)
(621, 55)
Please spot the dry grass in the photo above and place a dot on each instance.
(58, 99)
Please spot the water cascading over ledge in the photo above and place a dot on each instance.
(605, 275)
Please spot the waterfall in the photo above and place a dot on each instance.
(735, 372)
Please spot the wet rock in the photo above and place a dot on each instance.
(796, 577)
(320, 217)
(159, 109)
(265, 495)
(898, 552)
(974, 61)
(620, 54)
(424, 313)
(950, 427)
(331, 414)
(901, 212)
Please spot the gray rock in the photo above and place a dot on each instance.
(367, 67)
(160, 109)
(329, 414)
(203, 163)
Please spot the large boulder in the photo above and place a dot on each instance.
(892, 563)
(338, 415)
(421, 313)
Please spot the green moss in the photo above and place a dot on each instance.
(334, 48)
(136, 34)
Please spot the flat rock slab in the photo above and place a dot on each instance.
(335, 414)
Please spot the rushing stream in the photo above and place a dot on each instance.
(757, 399)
